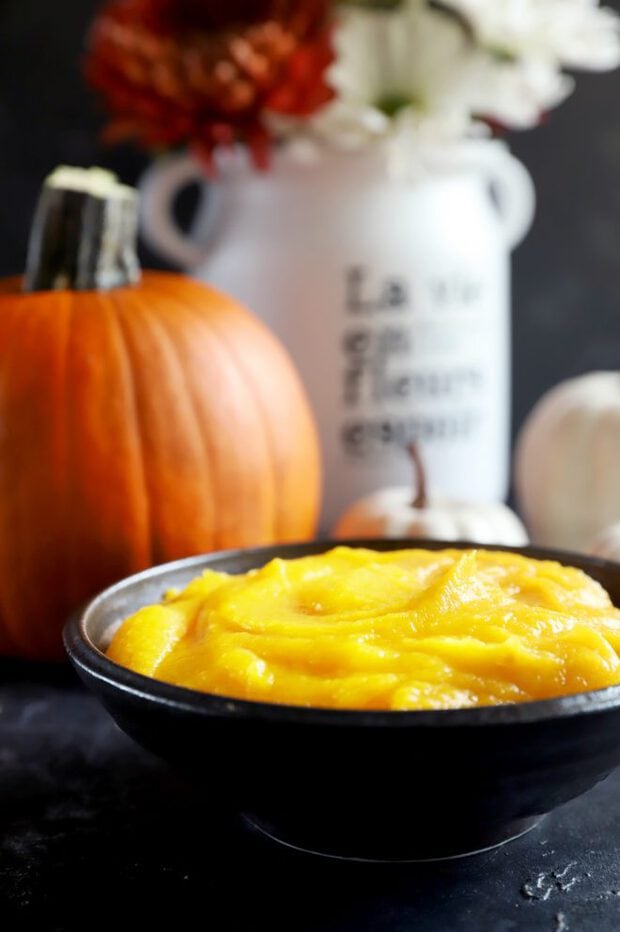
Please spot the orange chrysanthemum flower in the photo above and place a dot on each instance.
(206, 72)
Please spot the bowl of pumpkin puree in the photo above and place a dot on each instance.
(377, 700)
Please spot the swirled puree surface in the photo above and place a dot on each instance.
(358, 629)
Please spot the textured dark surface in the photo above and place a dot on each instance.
(566, 274)
(94, 830)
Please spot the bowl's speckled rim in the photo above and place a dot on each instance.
(85, 654)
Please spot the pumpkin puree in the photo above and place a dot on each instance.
(408, 629)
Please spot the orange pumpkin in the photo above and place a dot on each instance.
(138, 424)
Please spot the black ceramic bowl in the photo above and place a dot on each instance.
(370, 785)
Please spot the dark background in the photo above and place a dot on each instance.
(566, 274)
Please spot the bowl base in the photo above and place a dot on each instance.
(394, 852)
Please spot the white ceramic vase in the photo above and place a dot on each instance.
(392, 297)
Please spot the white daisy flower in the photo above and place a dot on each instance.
(517, 94)
(569, 33)
(419, 78)
(407, 72)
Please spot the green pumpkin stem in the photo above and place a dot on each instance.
(84, 233)
(420, 499)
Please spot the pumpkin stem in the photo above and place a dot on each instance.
(84, 233)
(420, 499)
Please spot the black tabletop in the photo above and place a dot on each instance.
(95, 830)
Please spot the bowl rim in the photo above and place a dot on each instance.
(92, 663)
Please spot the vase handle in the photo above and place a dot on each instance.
(160, 185)
(512, 187)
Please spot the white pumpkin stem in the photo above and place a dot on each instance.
(420, 499)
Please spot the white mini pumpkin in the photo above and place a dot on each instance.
(395, 512)
(607, 543)
(566, 470)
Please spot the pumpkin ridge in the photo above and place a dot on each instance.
(102, 539)
(207, 326)
(132, 405)
(273, 465)
(62, 424)
(70, 548)
(206, 448)
(149, 490)
(167, 344)
(277, 471)
(250, 388)
(32, 326)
